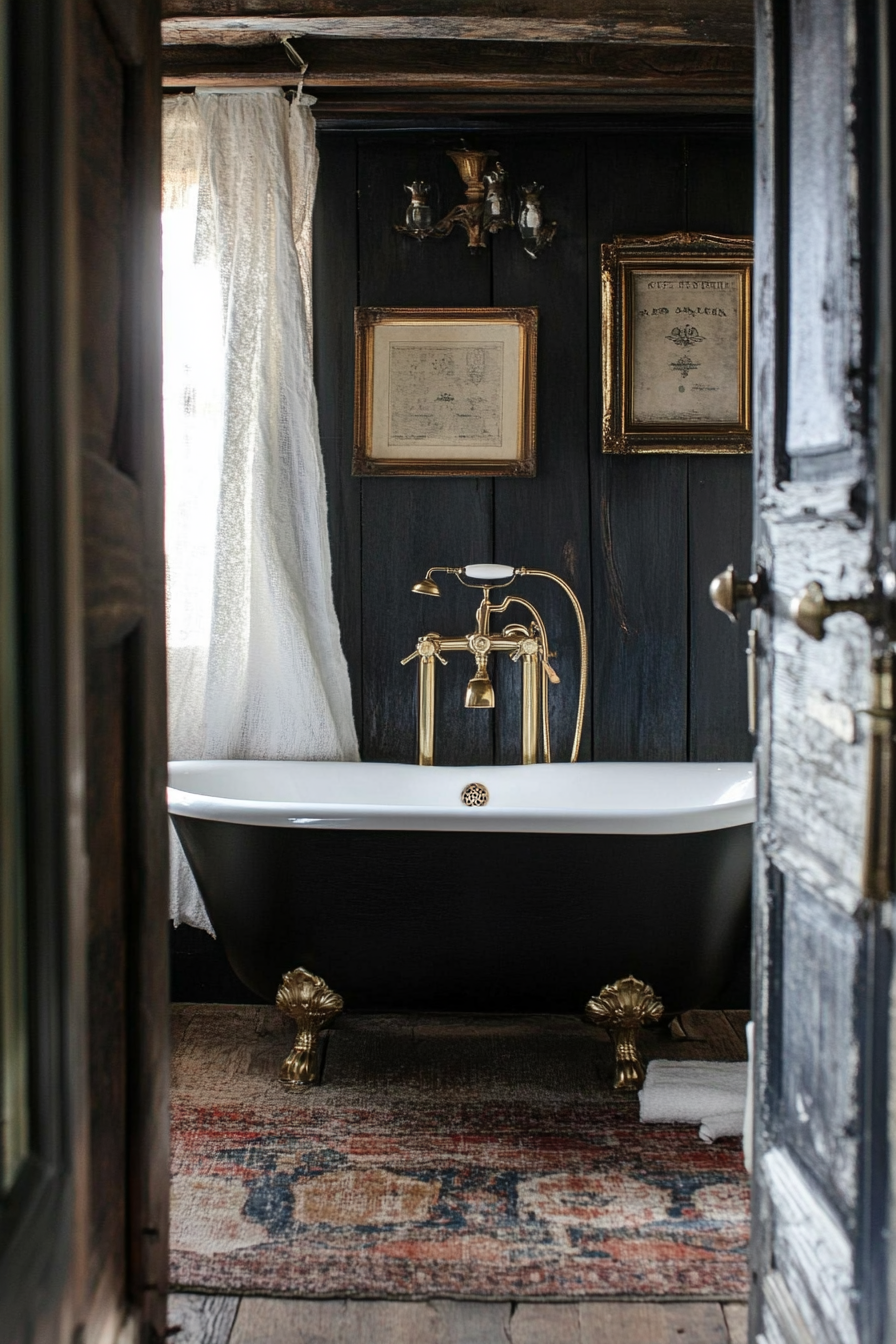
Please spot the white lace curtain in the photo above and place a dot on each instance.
(255, 664)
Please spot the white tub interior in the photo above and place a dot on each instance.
(635, 798)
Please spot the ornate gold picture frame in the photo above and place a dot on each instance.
(676, 344)
(445, 391)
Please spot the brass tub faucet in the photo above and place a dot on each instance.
(525, 644)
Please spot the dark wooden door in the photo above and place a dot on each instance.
(83, 1221)
(120, 388)
(823, 871)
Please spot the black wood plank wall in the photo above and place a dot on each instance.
(637, 538)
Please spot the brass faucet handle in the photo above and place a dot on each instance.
(528, 645)
(552, 675)
(427, 647)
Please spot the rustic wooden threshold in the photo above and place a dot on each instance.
(203, 1319)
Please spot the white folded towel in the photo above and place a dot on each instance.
(748, 1108)
(702, 1092)
(727, 1125)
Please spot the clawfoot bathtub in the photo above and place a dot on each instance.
(510, 888)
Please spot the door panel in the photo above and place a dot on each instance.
(809, 1295)
(818, 1103)
(824, 309)
(822, 952)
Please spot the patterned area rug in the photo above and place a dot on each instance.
(479, 1157)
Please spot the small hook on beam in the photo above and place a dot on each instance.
(294, 57)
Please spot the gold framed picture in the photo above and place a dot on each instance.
(445, 391)
(676, 344)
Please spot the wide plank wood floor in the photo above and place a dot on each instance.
(198, 1318)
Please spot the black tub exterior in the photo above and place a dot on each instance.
(473, 921)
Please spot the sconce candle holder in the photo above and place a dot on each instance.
(535, 233)
(487, 208)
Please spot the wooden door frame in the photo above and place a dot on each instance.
(45, 1222)
(41, 1261)
(140, 456)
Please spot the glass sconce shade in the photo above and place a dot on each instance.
(531, 218)
(535, 231)
(418, 215)
(497, 198)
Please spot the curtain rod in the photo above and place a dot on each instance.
(190, 89)
(289, 91)
(294, 58)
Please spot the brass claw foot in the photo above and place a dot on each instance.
(310, 1001)
(623, 1008)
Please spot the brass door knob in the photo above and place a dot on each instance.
(726, 590)
(811, 608)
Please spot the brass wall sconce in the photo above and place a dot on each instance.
(488, 207)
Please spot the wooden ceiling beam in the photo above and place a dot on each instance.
(479, 66)
(670, 22)
(353, 107)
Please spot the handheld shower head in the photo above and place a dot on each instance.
(481, 575)
(428, 587)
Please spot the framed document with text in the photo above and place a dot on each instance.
(676, 344)
(445, 391)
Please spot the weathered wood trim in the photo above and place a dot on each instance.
(667, 21)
